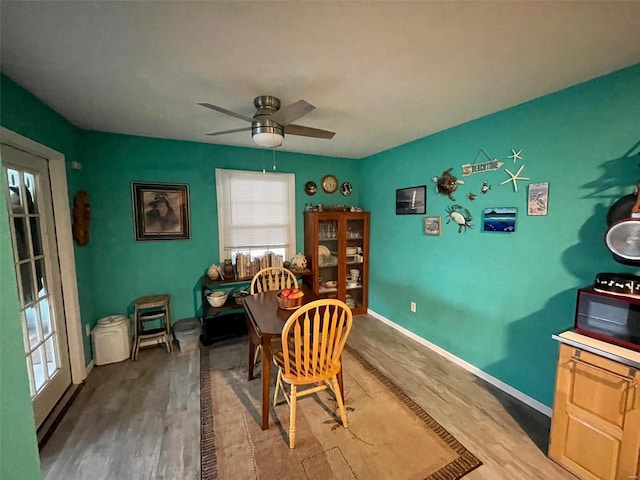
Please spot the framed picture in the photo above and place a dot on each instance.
(411, 201)
(161, 211)
(499, 219)
(538, 199)
(432, 225)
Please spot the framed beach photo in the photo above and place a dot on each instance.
(160, 211)
(432, 225)
(411, 201)
(499, 219)
(538, 199)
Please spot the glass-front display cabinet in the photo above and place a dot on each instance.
(336, 245)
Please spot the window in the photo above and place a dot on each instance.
(256, 213)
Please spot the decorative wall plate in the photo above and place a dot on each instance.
(346, 189)
(310, 188)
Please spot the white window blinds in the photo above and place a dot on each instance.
(256, 212)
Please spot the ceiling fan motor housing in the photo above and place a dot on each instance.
(266, 105)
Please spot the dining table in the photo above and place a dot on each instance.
(265, 321)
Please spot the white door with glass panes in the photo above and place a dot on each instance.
(32, 229)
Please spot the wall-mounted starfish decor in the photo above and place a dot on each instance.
(516, 155)
(515, 177)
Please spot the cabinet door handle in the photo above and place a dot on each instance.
(604, 370)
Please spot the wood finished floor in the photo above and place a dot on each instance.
(141, 420)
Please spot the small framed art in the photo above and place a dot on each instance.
(160, 211)
(538, 199)
(499, 219)
(411, 201)
(432, 225)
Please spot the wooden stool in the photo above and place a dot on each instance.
(151, 309)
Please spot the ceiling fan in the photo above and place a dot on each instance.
(270, 122)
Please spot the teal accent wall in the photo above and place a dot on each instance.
(126, 269)
(494, 300)
(26, 115)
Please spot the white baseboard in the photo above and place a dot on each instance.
(532, 402)
(89, 368)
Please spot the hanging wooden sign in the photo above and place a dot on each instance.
(491, 165)
(471, 168)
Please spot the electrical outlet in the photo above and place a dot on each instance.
(87, 329)
(413, 307)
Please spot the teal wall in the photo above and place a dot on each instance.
(494, 300)
(24, 114)
(126, 269)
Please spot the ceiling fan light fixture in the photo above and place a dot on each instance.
(268, 139)
(267, 133)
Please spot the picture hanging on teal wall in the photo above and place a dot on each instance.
(499, 219)
(411, 201)
(432, 225)
(538, 199)
(161, 211)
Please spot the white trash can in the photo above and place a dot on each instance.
(111, 340)
(187, 332)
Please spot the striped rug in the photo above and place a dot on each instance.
(389, 435)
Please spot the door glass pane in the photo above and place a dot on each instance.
(41, 284)
(32, 386)
(26, 280)
(36, 236)
(15, 199)
(45, 314)
(37, 359)
(30, 183)
(31, 316)
(22, 238)
(52, 362)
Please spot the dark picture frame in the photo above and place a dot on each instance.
(160, 211)
(411, 200)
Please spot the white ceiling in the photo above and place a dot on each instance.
(379, 73)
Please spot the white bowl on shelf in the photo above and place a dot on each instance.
(217, 299)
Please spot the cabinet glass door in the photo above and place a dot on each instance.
(328, 257)
(354, 254)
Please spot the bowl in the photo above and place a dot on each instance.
(288, 303)
(217, 299)
(330, 284)
(354, 272)
(238, 295)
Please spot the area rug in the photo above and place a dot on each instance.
(389, 436)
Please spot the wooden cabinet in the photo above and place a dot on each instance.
(336, 245)
(595, 429)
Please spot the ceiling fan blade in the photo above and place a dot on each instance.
(228, 112)
(308, 131)
(243, 129)
(292, 112)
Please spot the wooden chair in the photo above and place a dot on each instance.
(312, 342)
(273, 278)
(267, 280)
